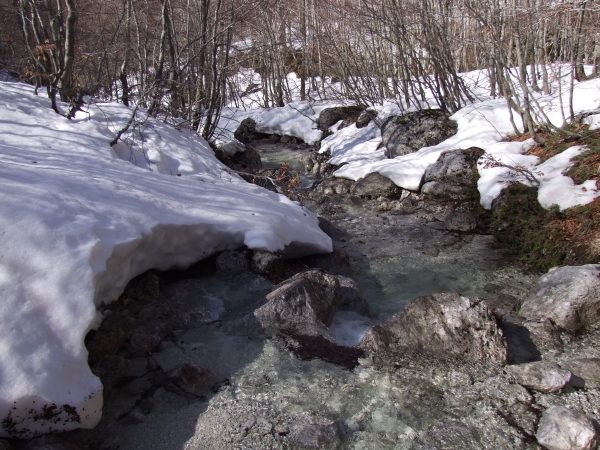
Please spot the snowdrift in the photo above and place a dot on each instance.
(78, 220)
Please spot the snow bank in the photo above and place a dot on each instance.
(297, 119)
(354, 145)
(78, 220)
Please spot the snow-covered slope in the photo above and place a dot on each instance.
(78, 220)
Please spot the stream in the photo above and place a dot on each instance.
(266, 396)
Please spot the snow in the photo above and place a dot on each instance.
(79, 220)
(354, 145)
(297, 119)
(593, 121)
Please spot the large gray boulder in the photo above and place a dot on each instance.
(246, 131)
(569, 296)
(453, 175)
(408, 133)
(304, 304)
(442, 325)
(375, 185)
(563, 429)
(331, 116)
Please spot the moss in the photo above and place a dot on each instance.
(541, 239)
(585, 166)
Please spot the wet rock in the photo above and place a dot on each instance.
(569, 296)
(334, 186)
(142, 344)
(232, 261)
(51, 442)
(543, 376)
(351, 299)
(193, 379)
(303, 304)
(451, 434)
(452, 176)
(365, 118)
(109, 338)
(374, 186)
(331, 116)
(315, 431)
(266, 263)
(5, 445)
(563, 429)
(442, 325)
(460, 220)
(110, 369)
(240, 158)
(408, 133)
(587, 369)
(143, 287)
(336, 262)
(318, 347)
(331, 230)
(316, 164)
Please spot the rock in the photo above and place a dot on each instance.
(51, 442)
(543, 376)
(563, 429)
(460, 220)
(110, 369)
(365, 118)
(451, 434)
(569, 296)
(304, 303)
(431, 250)
(374, 186)
(193, 379)
(141, 345)
(336, 262)
(334, 186)
(247, 133)
(314, 431)
(240, 158)
(331, 116)
(441, 325)
(5, 445)
(331, 230)
(109, 338)
(501, 304)
(587, 369)
(316, 164)
(408, 133)
(351, 299)
(232, 261)
(266, 263)
(453, 175)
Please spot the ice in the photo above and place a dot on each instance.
(79, 220)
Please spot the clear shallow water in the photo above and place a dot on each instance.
(267, 393)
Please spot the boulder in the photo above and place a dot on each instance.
(408, 133)
(588, 369)
(453, 176)
(569, 296)
(331, 116)
(528, 340)
(375, 185)
(246, 132)
(563, 429)
(365, 118)
(543, 376)
(110, 370)
(51, 442)
(141, 345)
(303, 304)
(460, 220)
(232, 261)
(336, 262)
(444, 326)
(109, 338)
(501, 304)
(312, 430)
(351, 299)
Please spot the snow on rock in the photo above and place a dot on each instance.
(593, 121)
(297, 119)
(78, 221)
(354, 145)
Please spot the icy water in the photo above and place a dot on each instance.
(268, 398)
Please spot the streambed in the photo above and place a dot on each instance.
(266, 397)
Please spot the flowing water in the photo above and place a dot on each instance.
(271, 399)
